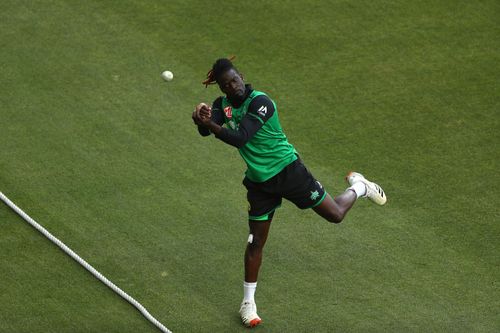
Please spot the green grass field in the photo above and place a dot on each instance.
(103, 153)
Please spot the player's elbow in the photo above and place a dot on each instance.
(203, 131)
(238, 141)
(243, 139)
(240, 144)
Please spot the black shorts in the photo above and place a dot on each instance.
(294, 183)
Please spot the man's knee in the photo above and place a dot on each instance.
(336, 219)
(335, 216)
(255, 242)
(330, 210)
(258, 235)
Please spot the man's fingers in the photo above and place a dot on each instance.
(202, 114)
(201, 106)
(206, 112)
(197, 118)
(202, 110)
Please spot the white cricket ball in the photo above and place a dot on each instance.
(167, 75)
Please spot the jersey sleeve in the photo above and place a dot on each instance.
(261, 108)
(217, 117)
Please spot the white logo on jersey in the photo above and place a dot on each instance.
(262, 111)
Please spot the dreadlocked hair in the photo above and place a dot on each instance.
(219, 67)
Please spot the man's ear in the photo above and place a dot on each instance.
(242, 77)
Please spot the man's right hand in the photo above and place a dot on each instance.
(202, 114)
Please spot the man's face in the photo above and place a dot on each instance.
(231, 83)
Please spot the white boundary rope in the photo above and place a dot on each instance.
(86, 265)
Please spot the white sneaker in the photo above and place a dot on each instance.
(373, 191)
(248, 313)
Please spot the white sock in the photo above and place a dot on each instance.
(249, 291)
(359, 188)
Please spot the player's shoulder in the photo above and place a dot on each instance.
(259, 94)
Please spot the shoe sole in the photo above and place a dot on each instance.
(383, 197)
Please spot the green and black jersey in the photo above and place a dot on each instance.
(252, 125)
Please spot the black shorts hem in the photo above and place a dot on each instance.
(263, 217)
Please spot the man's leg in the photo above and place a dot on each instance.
(253, 259)
(334, 210)
(253, 254)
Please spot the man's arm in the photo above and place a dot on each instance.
(259, 111)
(216, 116)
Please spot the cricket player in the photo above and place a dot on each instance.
(248, 120)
